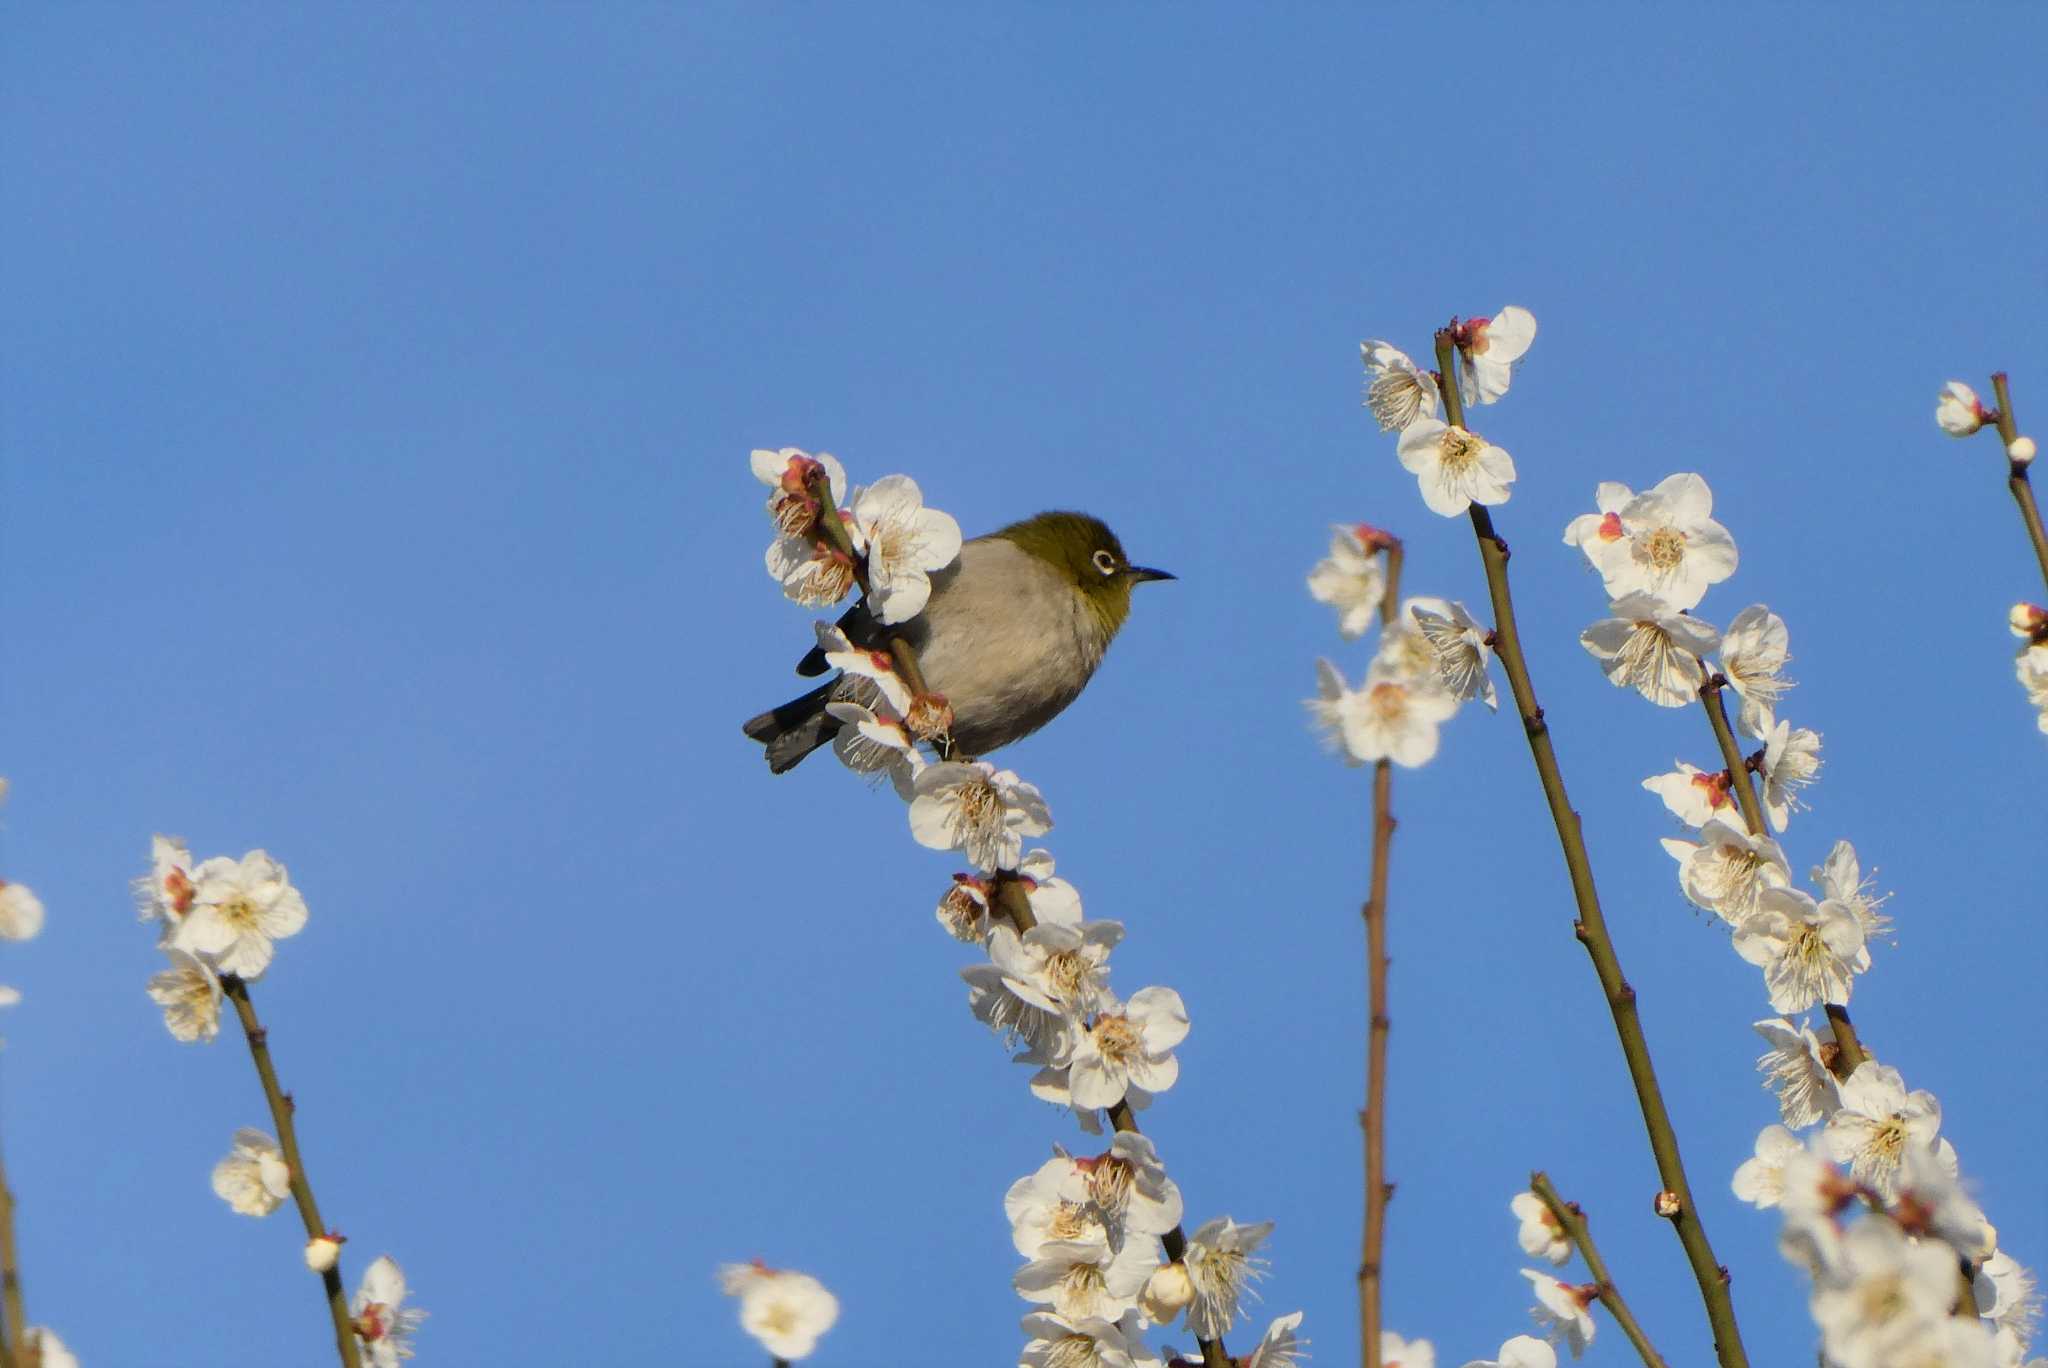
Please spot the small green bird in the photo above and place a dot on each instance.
(1013, 631)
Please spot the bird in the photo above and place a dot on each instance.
(1012, 633)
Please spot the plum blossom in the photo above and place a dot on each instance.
(1886, 1292)
(1351, 581)
(1084, 1279)
(1132, 1047)
(1959, 411)
(21, 912)
(1389, 718)
(1462, 649)
(1561, 1309)
(1279, 1347)
(165, 893)
(1726, 870)
(1594, 532)
(239, 909)
(1810, 951)
(1127, 1188)
(1036, 982)
(1877, 1123)
(789, 473)
(872, 742)
(1454, 467)
(1794, 1070)
(1488, 351)
(1668, 546)
(813, 573)
(784, 1310)
(1932, 1202)
(384, 1324)
(905, 543)
(254, 1179)
(2032, 668)
(2005, 1292)
(1791, 762)
(1760, 1181)
(1696, 796)
(1222, 1264)
(1396, 1352)
(1650, 647)
(1396, 389)
(1042, 1207)
(45, 1350)
(1523, 1351)
(1539, 1234)
(977, 809)
(189, 993)
(1754, 652)
(1085, 1342)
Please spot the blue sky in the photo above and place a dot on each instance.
(378, 389)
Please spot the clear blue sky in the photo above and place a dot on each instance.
(378, 389)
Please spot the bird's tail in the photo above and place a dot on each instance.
(795, 729)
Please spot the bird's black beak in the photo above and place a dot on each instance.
(1139, 574)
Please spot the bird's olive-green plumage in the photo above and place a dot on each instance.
(1012, 633)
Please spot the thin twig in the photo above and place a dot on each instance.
(1849, 1051)
(281, 1108)
(14, 1333)
(1373, 1119)
(2017, 479)
(1592, 923)
(1573, 1221)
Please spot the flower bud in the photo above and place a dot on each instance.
(2020, 450)
(1959, 411)
(1668, 1204)
(2028, 621)
(322, 1252)
(1167, 1293)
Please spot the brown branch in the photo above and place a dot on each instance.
(2016, 478)
(14, 1332)
(1373, 1119)
(281, 1108)
(1572, 1220)
(1591, 926)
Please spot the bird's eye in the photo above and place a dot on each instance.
(1105, 562)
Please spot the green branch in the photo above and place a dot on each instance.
(1572, 1221)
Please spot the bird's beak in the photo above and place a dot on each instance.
(1139, 574)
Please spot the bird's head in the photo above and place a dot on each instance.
(1085, 553)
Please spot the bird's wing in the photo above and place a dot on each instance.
(859, 627)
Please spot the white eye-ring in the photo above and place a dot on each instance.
(1104, 562)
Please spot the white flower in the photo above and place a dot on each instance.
(2004, 1291)
(1561, 1309)
(1523, 1351)
(1221, 1262)
(1052, 898)
(1462, 649)
(1036, 983)
(1592, 533)
(1168, 1292)
(905, 543)
(1350, 580)
(2032, 669)
(254, 1179)
(1761, 1181)
(45, 1350)
(1087, 1342)
(1128, 1048)
(1127, 1188)
(1404, 653)
(384, 1324)
(1754, 649)
(1455, 468)
(1877, 1123)
(1397, 390)
(871, 742)
(1727, 869)
(1488, 349)
(789, 472)
(1932, 1202)
(1791, 762)
(1279, 1347)
(1669, 547)
(166, 892)
(1396, 1352)
(1793, 1069)
(1388, 719)
(1840, 880)
(812, 573)
(238, 909)
(1810, 951)
(21, 911)
(1650, 647)
(1887, 1292)
(977, 809)
(1959, 411)
(1696, 796)
(884, 688)
(1084, 1278)
(964, 910)
(189, 993)
(1540, 1235)
(1812, 1195)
